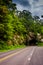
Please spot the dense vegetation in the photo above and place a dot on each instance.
(16, 26)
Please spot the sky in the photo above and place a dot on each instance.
(34, 6)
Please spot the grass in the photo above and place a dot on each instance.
(8, 48)
(12, 48)
(40, 44)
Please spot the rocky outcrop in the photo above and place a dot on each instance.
(39, 37)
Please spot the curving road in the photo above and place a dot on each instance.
(28, 56)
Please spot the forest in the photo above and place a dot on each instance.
(18, 27)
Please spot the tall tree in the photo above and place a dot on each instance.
(36, 17)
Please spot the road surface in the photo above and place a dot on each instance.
(28, 56)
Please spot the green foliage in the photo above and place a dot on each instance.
(18, 26)
(13, 21)
(5, 2)
(6, 28)
(42, 30)
(40, 44)
(8, 48)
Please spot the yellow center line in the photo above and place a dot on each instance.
(4, 58)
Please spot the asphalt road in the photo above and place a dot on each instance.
(28, 56)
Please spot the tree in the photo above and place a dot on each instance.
(36, 17)
(6, 19)
(5, 2)
(42, 16)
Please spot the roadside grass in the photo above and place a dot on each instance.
(40, 44)
(9, 48)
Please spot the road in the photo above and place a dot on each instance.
(28, 56)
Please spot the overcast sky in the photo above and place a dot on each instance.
(35, 6)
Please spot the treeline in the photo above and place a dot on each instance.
(15, 25)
